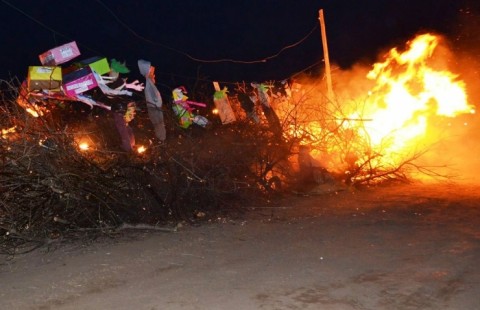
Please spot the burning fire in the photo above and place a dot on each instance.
(410, 93)
(84, 146)
(411, 102)
(5, 132)
(33, 112)
(141, 149)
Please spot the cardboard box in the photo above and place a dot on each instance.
(44, 77)
(79, 81)
(69, 69)
(60, 55)
(98, 64)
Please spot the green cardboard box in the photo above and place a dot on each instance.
(98, 64)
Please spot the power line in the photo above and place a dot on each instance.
(262, 60)
(34, 19)
(55, 32)
(236, 82)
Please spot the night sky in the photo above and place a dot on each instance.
(171, 33)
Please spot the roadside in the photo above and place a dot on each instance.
(396, 247)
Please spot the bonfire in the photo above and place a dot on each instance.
(64, 176)
(385, 128)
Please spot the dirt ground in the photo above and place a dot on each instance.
(394, 247)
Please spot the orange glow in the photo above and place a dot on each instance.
(84, 146)
(141, 149)
(409, 94)
(5, 132)
(215, 111)
(401, 106)
(33, 112)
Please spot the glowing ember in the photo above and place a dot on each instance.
(215, 111)
(141, 149)
(32, 112)
(84, 146)
(5, 132)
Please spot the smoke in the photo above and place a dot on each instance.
(450, 147)
(454, 150)
(460, 146)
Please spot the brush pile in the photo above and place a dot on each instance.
(52, 191)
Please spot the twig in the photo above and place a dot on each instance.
(125, 226)
(190, 171)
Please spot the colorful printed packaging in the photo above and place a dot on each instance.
(79, 81)
(60, 55)
(98, 64)
(44, 77)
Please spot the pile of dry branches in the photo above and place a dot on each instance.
(50, 191)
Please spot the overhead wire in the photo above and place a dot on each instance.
(34, 19)
(55, 32)
(261, 60)
(293, 75)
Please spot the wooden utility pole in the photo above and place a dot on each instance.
(325, 55)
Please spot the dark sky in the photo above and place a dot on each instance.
(164, 31)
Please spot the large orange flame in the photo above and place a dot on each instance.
(380, 118)
(409, 92)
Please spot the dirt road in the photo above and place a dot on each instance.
(400, 247)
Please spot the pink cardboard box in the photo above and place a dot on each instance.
(60, 55)
(79, 81)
